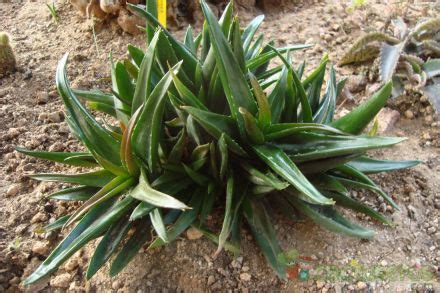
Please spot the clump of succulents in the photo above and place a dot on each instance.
(205, 123)
(406, 56)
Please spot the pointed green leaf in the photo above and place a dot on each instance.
(224, 157)
(328, 218)
(280, 130)
(90, 227)
(124, 87)
(74, 159)
(233, 79)
(264, 113)
(74, 193)
(264, 234)
(94, 95)
(249, 32)
(183, 221)
(283, 166)
(107, 246)
(234, 196)
(97, 178)
(266, 56)
(144, 192)
(326, 110)
(145, 137)
(355, 121)
(110, 190)
(259, 178)
(252, 130)
(311, 146)
(369, 165)
(216, 125)
(97, 139)
(190, 62)
(131, 248)
(141, 210)
(143, 83)
(158, 224)
(237, 45)
(57, 224)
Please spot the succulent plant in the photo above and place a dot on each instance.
(205, 124)
(7, 58)
(406, 56)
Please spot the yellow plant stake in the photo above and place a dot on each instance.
(162, 12)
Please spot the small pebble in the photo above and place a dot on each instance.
(193, 234)
(54, 117)
(61, 281)
(42, 97)
(211, 280)
(320, 284)
(14, 281)
(12, 190)
(409, 114)
(40, 248)
(116, 285)
(245, 277)
(361, 285)
(39, 217)
(71, 264)
(431, 230)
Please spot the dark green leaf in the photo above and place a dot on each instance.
(144, 192)
(97, 178)
(95, 222)
(280, 130)
(311, 146)
(369, 165)
(57, 224)
(253, 132)
(145, 137)
(249, 32)
(143, 83)
(131, 248)
(264, 113)
(216, 125)
(98, 140)
(283, 166)
(355, 121)
(328, 218)
(183, 221)
(74, 159)
(233, 80)
(264, 234)
(108, 244)
(74, 193)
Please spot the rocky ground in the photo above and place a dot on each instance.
(32, 116)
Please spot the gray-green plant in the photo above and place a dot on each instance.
(408, 56)
(206, 124)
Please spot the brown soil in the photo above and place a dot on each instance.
(32, 116)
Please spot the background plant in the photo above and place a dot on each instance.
(207, 123)
(406, 56)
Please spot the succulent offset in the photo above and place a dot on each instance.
(203, 124)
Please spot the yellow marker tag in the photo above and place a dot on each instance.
(162, 12)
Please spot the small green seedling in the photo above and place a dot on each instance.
(53, 12)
